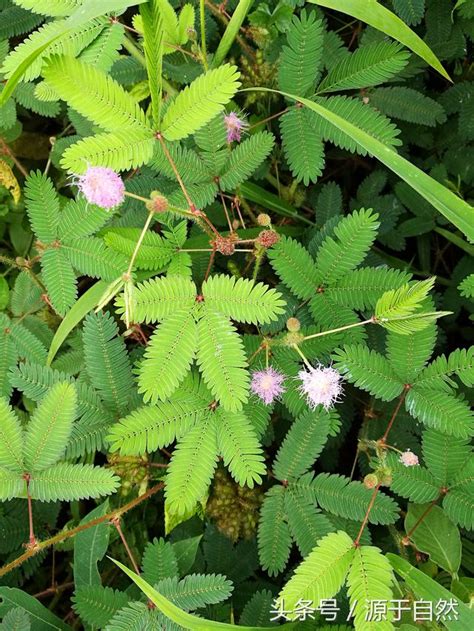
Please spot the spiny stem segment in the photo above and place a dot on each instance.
(67, 534)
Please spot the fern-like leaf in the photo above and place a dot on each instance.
(159, 561)
(416, 484)
(303, 444)
(70, 42)
(149, 428)
(80, 219)
(239, 447)
(51, 8)
(304, 149)
(242, 300)
(295, 267)
(274, 538)
(441, 411)
(408, 105)
(192, 467)
(362, 287)
(90, 256)
(11, 439)
(156, 299)
(408, 355)
(60, 280)
(71, 482)
(196, 590)
(353, 237)
(322, 574)
(300, 61)
(199, 102)
(42, 206)
(95, 95)
(96, 605)
(48, 431)
(444, 455)
(341, 497)
(168, 357)
(368, 370)
(367, 66)
(411, 11)
(120, 150)
(106, 360)
(222, 360)
(363, 116)
(459, 507)
(11, 485)
(370, 579)
(307, 524)
(245, 159)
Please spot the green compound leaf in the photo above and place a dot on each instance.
(11, 439)
(72, 482)
(48, 432)
(222, 360)
(322, 574)
(242, 300)
(168, 357)
(199, 102)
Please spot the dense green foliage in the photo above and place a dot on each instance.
(235, 305)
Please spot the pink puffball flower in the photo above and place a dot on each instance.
(320, 385)
(267, 384)
(234, 126)
(409, 459)
(101, 186)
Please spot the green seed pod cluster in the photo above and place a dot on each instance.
(233, 508)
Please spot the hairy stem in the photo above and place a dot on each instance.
(67, 534)
(421, 518)
(395, 413)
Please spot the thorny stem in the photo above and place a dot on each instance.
(116, 522)
(203, 34)
(341, 328)
(366, 518)
(43, 545)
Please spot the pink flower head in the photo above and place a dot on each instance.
(234, 126)
(409, 459)
(320, 385)
(101, 186)
(267, 384)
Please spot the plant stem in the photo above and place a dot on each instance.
(8, 152)
(301, 354)
(139, 243)
(202, 19)
(422, 517)
(116, 522)
(43, 545)
(139, 197)
(172, 164)
(395, 413)
(32, 541)
(341, 328)
(367, 514)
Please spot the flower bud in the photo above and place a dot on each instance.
(371, 481)
(293, 325)
(157, 203)
(264, 220)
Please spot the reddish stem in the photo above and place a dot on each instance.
(116, 522)
(367, 514)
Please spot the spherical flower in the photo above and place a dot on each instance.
(320, 385)
(234, 126)
(409, 459)
(267, 384)
(101, 186)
